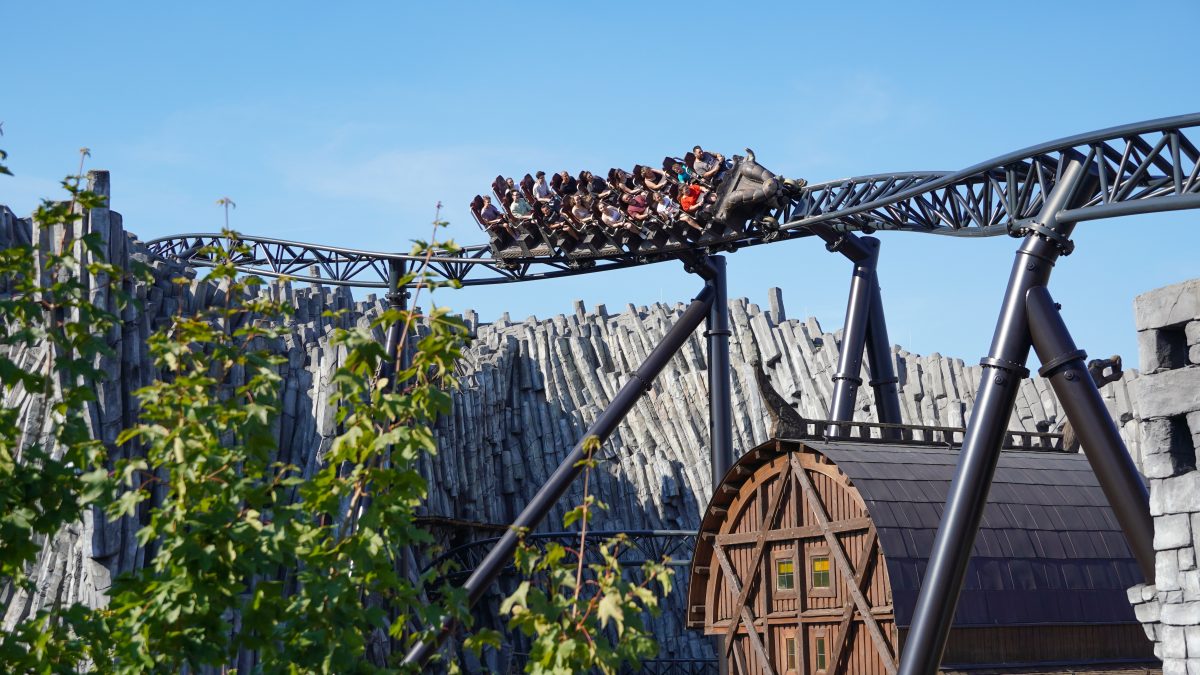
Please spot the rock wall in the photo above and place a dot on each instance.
(1168, 323)
(529, 389)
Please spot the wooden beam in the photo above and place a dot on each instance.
(745, 613)
(764, 590)
(760, 544)
(843, 563)
(823, 616)
(861, 576)
(798, 552)
(801, 584)
(740, 662)
(803, 532)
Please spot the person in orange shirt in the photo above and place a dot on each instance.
(691, 198)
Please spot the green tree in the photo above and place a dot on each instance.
(572, 610)
(246, 552)
(48, 479)
(310, 565)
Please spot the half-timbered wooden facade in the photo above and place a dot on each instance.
(810, 556)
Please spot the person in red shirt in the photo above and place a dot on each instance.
(691, 197)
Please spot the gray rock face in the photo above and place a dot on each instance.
(529, 389)
(1168, 393)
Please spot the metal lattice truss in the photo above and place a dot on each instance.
(643, 546)
(1138, 168)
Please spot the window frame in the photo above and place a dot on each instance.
(814, 591)
(820, 637)
(777, 555)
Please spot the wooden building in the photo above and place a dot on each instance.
(810, 557)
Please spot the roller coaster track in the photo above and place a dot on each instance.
(1145, 167)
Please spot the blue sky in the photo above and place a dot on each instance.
(344, 123)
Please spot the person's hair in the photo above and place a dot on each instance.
(487, 198)
(541, 174)
(698, 150)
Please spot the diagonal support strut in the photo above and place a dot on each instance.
(569, 469)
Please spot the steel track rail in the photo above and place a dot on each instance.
(1145, 167)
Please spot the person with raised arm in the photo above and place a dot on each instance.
(705, 165)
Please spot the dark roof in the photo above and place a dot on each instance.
(1049, 549)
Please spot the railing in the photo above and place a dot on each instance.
(911, 434)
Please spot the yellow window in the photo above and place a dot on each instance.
(791, 653)
(785, 574)
(820, 571)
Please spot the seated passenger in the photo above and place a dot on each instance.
(577, 207)
(564, 184)
(666, 210)
(691, 199)
(682, 174)
(518, 207)
(489, 214)
(611, 216)
(622, 182)
(552, 220)
(494, 227)
(637, 206)
(706, 165)
(594, 185)
(653, 178)
(541, 189)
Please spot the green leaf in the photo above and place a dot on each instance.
(610, 609)
(518, 598)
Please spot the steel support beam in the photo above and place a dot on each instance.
(1065, 367)
(879, 362)
(1003, 370)
(569, 469)
(720, 405)
(847, 380)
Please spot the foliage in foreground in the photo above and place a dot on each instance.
(246, 552)
(583, 616)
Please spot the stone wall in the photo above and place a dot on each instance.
(1168, 324)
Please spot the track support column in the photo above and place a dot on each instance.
(847, 380)
(720, 404)
(880, 364)
(1003, 370)
(865, 327)
(1066, 369)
